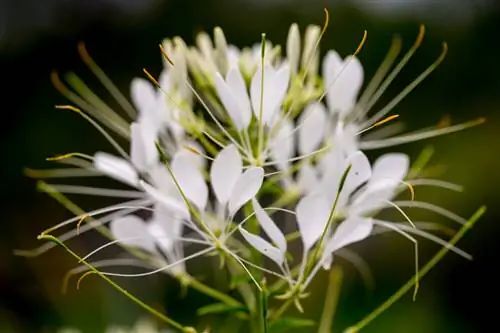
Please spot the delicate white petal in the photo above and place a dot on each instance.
(312, 217)
(174, 206)
(143, 152)
(225, 171)
(374, 197)
(307, 178)
(350, 231)
(271, 92)
(280, 84)
(312, 130)
(269, 227)
(238, 88)
(359, 173)
(327, 262)
(190, 179)
(116, 167)
(246, 188)
(164, 228)
(283, 146)
(263, 247)
(195, 151)
(137, 154)
(343, 79)
(143, 94)
(390, 166)
(133, 230)
(229, 101)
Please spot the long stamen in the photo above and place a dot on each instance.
(164, 268)
(407, 138)
(105, 192)
(381, 73)
(98, 127)
(100, 264)
(205, 106)
(110, 120)
(383, 87)
(395, 101)
(378, 123)
(94, 213)
(61, 173)
(125, 239)
(437, 183)
(107, 83)
(397, 229)
(434, 208)
(402, 213)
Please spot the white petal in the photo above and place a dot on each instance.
(190, 179)
(263, 247)
(164, 228)
(116, 167)
(343, 79)
(225, 171)
(238, 87)
(359, 173)
(283, 146)
(374, 197)
(133, 230)
(349, 231)
(327, 262)
(312, 130)
(312, 217)
(195, 151)
(390, 166)
(269, 227)
(143, 152)
(234, 97)
(174, 206)
(143, 94)
(246, 188)
(271, 92)
(307, 178)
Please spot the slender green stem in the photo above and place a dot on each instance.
(127, 294)
(331, 299)
(406, 287)
(203, 288)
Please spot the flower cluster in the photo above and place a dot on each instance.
(225, 138)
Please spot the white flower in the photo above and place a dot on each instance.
(232, 186)
(265, 96)
(162, 232)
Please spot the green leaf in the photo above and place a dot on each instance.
(284, 324)
(218, 308)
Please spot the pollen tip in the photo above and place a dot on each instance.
(82, 51)
(165, 54)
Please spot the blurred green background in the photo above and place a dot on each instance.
(37, 37)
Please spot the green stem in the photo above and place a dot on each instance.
(331, 299)
(146, 307)
(406, 287)
(203, 288)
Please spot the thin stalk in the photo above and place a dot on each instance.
(331, 300)
(120, 289)
(423, 271)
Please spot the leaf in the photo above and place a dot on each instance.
(218, 308)
(284, 324)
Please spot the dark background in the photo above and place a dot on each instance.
(37, 37)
